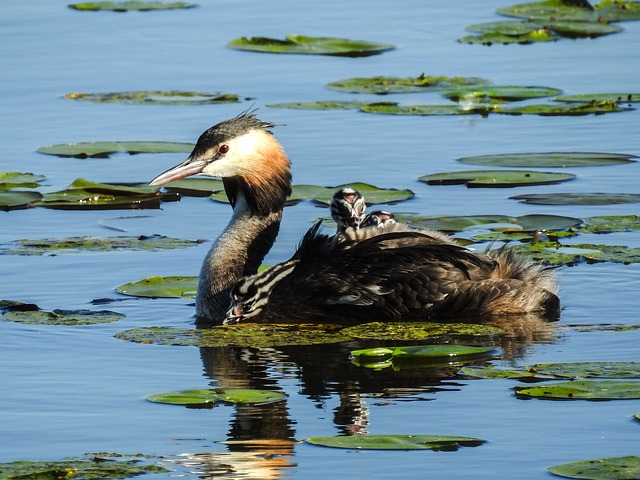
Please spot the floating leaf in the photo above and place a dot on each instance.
(243, 335)
(62, 317)
(610, 224)
(496, 178)
(529, 223)
(157, 97)
(617, 11)
(569, 109)
(95, 466)
(553, 254)
(209, 397)
(420, 355)
(418, 330)
(55, 246)
(397, 442)
(392, 108)
(588, 369)
(584, 390)
(578, 198)
(16, 179)
(384, 85)
(584, 29)
(161, 287)
(551, 10)
(496, 38)
(130, 6)
(512, 28)
(105, 149)
(300, 44)
(15, 200)
(550, 159)
(600, 97)
(499, 94)
(616, 468)
(320, 105)
(494, 373)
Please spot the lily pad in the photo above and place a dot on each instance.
(494, 373)
(87, 195)
(551, 10)
(584, 29)
(54, 246)
(384, 85)
(588, 369)
(243, 335)
(615, 468)
(420, 355)
(575, 109)
(584, 390)
(578, 198)
(610, 224)
(550, 159)
(194, 187)
(300, 44)
(15, 200)
(392, 108)
(62, 317)
(17, 179)
(401, 331)
(105, 149)
(496, 178)
(210, 397)
(529, 223)
(552, 254)
(499, 94)
(157, 97)
(320, 105)
(397, 442)
(600, 97)
(374, 195)
(130, 6)
(497, 38)
(161, 287)
(512, 28)
(93, 466)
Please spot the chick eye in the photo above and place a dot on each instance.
(223, 149)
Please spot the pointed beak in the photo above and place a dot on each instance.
(191, 166)
(234, 315)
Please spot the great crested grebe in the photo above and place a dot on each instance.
(392, 273)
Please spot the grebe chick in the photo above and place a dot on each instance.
(379, 218)
(348, 209)
(397, 275)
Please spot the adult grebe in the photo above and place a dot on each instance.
(390, 275)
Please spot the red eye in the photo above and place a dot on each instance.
(223, 149)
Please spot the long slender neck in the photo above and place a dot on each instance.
(238, 252)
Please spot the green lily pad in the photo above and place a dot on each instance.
(496, 178)
(420, 355)
(320, 105)
(499, 94)
(105, 149)
(569, 109)
(93, 466)
(161, 287)
(62, 317)
(578, 198)
(497, 38)
(550, 159)
(396, 442)
(617, 11)
(243, 335)
(584, 29)
(209, 397)
(54, 246)
(392, 108)
(588, 369)
(584, 390)
(17, 179)
(528, 223)
(157, 97)
(401, 331)
(552, 254)
(495, 373)
(384, 85)
(512, 28)
(15, 200)
(194, 187)
(300, 44)
(610, 224)
(87, 195)
(616, 468)
(130, 6)
(374, 195)
(551, 10)
(600, 97)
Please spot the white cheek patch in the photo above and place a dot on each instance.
(239, 160)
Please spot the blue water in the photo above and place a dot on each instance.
(71, 390)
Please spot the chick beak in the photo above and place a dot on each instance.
(234, 315)
(191, 166)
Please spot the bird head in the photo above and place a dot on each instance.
(348, 208)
